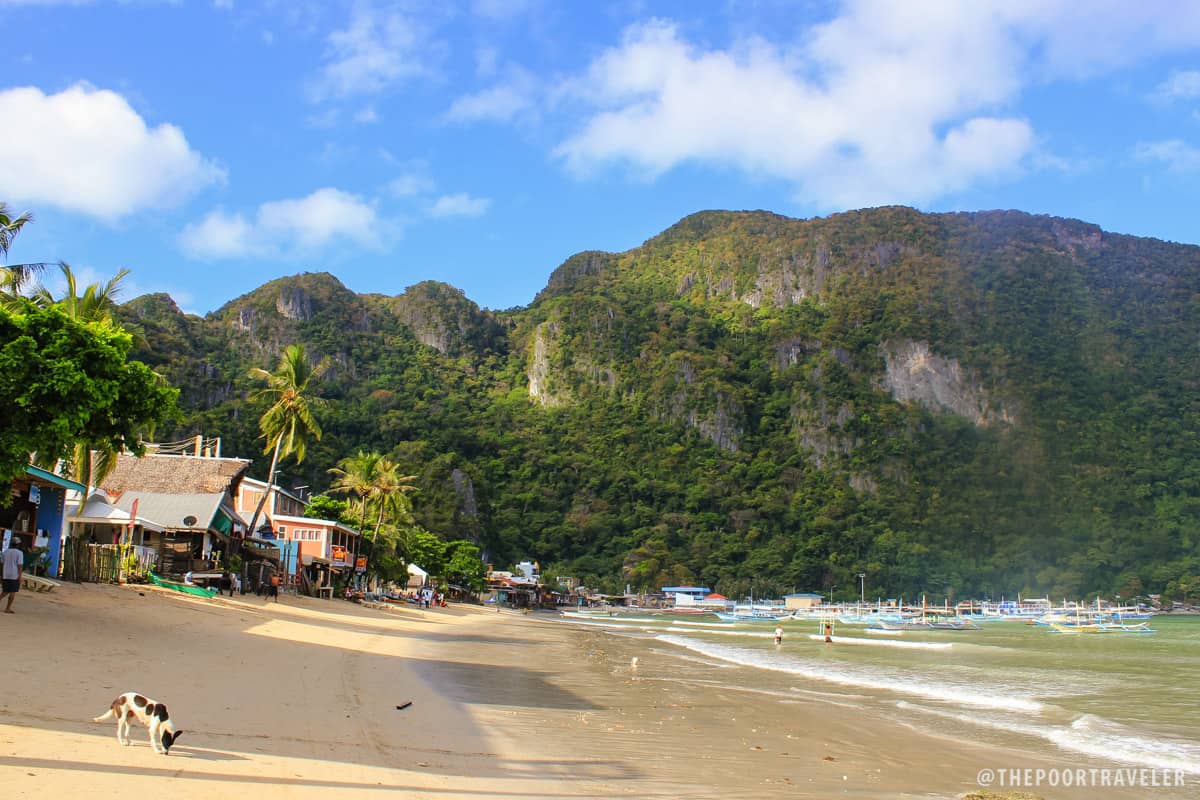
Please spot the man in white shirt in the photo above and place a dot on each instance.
(14, 565)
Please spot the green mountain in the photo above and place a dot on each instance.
(961, 404)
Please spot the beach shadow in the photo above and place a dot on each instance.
(430, 636)
(487, 684)
(205, 755)
(95, 768)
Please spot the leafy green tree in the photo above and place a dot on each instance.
(424, 549)
(288, 422)
(465, 566)
(66, 383)
(96, 304)
(322, 506)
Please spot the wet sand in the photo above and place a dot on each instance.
(299, 699)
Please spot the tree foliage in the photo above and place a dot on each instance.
(65, 382)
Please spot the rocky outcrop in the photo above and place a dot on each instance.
(294, 303)
(818, 429)
(915, 374)
(539, 372)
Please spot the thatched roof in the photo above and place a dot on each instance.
(165, 474)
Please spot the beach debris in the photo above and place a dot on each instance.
(403, 706)
(829, 758)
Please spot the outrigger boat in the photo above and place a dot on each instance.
(1102, 627)
(185, 588)
(755, 613)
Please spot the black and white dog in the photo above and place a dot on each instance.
(130, 706)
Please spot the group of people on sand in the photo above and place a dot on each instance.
(428, 598)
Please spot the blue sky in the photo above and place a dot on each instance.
(212, 146)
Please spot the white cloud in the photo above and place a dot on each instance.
(366, 115)
(286, 228)
(501, 103)
(1176, 155)
(375, 51)
(410, 185)
(1184, 85)
(88, 150)
(459, 205)
(888, 102)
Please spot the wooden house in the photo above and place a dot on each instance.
(189, 498)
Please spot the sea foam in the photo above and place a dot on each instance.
(861, 678)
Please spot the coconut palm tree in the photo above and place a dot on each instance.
(15, 277)
(389, 491)
(97, 303)
(357, 475)
(288, 422)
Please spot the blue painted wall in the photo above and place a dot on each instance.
(50, 519)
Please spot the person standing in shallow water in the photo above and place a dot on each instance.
(778, 634)
(14, 565)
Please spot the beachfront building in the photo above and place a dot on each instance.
(189, 501)
(95, 535)
(519, 591)
(417, 577)
(802, 600)
(321, 550)
(686, 595)
(279, 502)
(313, 552)
(35, 513)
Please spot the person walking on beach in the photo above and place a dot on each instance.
(14, 565)
(778, 634)
(274, 592)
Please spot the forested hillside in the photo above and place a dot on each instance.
(962, 404)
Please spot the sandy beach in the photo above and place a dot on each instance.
(300, 699)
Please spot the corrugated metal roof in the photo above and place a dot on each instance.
(177, 512)
(97, 510)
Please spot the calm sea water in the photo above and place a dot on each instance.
(1116, 699)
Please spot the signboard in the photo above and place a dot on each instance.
(360, 565)
(337, 553)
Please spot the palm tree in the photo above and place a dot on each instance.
(357, 475)
(96, 304)
(389, 490)
(15, 277)
(289, 422)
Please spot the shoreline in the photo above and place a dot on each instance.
(304, 697)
